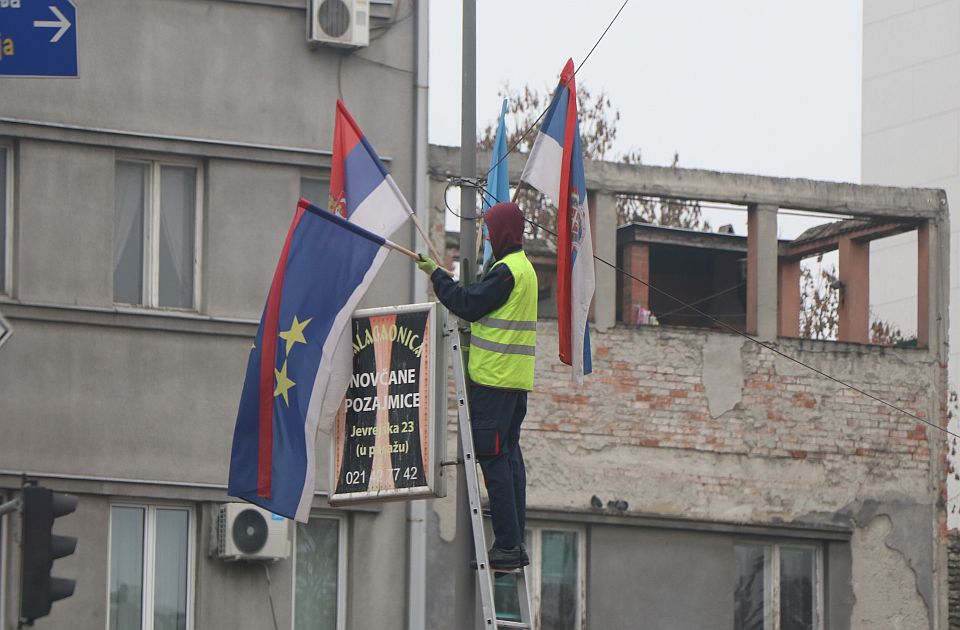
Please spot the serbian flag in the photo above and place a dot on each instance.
(498, 179)
(361, 189)
(555, 168)
(326, 265)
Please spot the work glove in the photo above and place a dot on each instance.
(427, 265)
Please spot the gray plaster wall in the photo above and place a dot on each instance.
(659, 580)
(115, 402)
(214, 70)
(248, 207)
(64, 227)
(699, 425)
(93, 395)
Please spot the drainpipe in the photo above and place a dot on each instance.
(420, 151)
(417, 510)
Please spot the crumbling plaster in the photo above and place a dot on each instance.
(793, 447)
(896, 606)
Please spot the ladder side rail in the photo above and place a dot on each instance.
(473, 483)
(523, 596)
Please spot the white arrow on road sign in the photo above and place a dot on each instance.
(62, 23)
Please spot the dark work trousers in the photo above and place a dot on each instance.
(496, 415)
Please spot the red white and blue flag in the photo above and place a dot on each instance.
(361, 189)
(326, 266)
(299, 366)
(555, 168)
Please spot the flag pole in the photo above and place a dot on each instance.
(516, 191)
(400, 248)
(416, 222)
(433, 250)
(416, 257)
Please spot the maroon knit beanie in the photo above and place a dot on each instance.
(505, 224)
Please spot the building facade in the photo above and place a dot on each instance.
(143, 207)
(701, 480)
(698, 480)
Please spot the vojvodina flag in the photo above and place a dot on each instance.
(326, 265)
(555, 168)
(498, 178)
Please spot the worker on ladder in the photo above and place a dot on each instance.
(502, 309)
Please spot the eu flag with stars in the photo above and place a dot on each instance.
(326, 265)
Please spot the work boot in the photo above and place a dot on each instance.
(509, 558)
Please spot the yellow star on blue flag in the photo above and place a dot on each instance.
(295, 333)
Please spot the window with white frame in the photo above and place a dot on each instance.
(150, 580)
(557, 579)
(778, 587)
(319, 573)
(315, 189)
(156, 240)
(6, 215)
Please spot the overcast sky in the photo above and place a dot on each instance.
(752, 86)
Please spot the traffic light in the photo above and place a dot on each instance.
(39, 547)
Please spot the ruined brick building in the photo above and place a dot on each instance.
(699, 480)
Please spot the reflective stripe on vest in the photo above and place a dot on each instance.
(502, 344)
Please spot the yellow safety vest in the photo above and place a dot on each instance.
(502, 343)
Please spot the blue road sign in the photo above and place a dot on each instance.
(38, 38)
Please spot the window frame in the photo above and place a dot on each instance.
(6, 280)
(150, 264)
(775, 548)
(534, 537)
(342, 548)
(316, 175)
(149, 558)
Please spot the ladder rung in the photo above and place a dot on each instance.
(512, 624)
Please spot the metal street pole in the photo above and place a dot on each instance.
(465, 609)
(468, 145)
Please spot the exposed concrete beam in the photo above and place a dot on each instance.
(923, 285)
(933, 293)
(809, 248)
(604, 215)
(663, 235)
(733, 188)
(762, 270)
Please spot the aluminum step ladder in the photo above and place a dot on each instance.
(484, 572)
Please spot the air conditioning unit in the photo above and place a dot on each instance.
(339, 22)
(247, 532)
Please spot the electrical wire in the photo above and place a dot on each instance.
(476, 183)
(383, 65)
(544, 112)
(700, 301)
(828, 213)
(273, 612)
(462, 181)
(602, 35)
(393, 21)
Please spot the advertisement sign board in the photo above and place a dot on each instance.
(389, 435)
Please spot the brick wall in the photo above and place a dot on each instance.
(636, 260)
(705, 424)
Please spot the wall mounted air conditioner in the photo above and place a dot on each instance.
(247, 532)
(339, 22)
